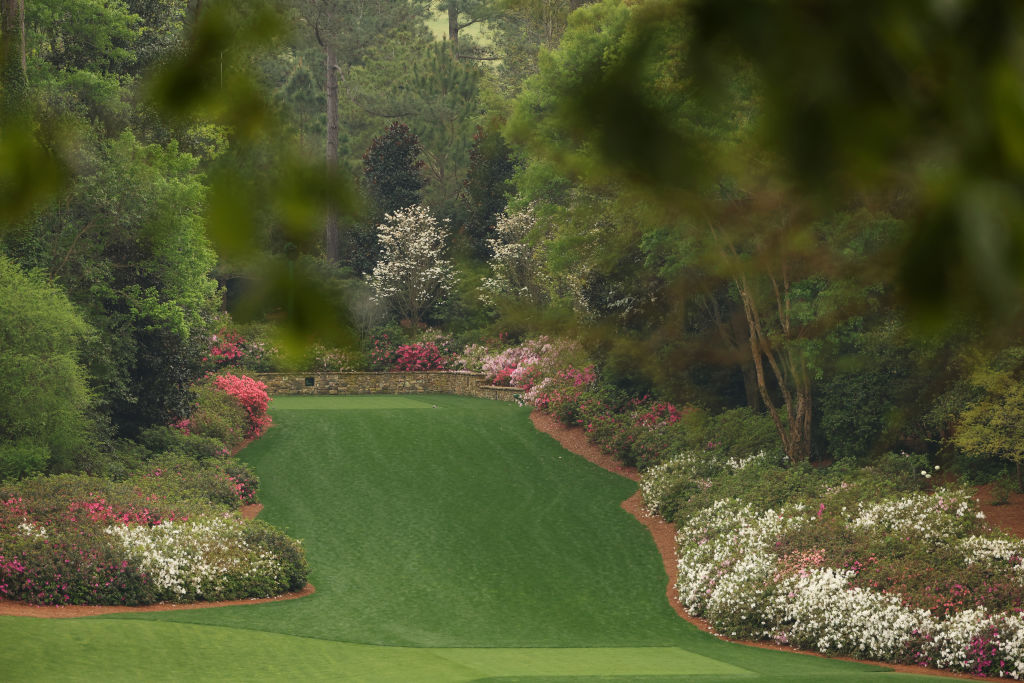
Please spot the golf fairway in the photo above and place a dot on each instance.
(448, 541)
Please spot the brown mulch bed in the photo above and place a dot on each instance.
(22, 609)
(250, 511)
(574, 439)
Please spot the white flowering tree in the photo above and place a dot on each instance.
(517, 263)
(412, 275)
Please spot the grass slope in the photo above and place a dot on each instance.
(458, 533)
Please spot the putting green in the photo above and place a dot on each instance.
(448, 540)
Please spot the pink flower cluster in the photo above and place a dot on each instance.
(9, 566)
(384, 352)
(12, 512)
(252, 395)
(99, 510)
(800, 563)
(245, 494)
(227, 348)
(562, 390)
(519, 366)
(578, 378)
(422, 356)
(656, 414)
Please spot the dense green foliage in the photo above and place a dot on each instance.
(44, 399)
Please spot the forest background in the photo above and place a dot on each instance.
(809, 214)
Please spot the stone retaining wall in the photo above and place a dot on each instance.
(354, 383)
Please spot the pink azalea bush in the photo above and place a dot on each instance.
(517, 366)
(229, 348)
(390, 352)
(226, 348)
(564, 393)
(252, 395)
(383, 351)
(421, 356)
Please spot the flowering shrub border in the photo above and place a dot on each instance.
(737, 571)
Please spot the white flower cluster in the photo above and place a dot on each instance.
(32, 529)
(190, 559)
(939, 516)
(517, 263)
(993, 550)
(738, 463)
(730, 574)
(660, 481)
(412, 274)
(726, 567)
(819, 610)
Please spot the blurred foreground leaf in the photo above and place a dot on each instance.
(28, 174)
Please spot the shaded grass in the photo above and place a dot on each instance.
(459, 530)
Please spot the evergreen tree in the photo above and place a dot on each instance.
(392, 170)
(13, 81)
(487, 186)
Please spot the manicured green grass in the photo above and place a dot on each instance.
(448, 540)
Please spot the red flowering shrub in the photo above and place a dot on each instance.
(226, 348)
(383, 351)
(422, 356)
(216, 414)
(563, 394)
(504, 376)
(655, 414)
(252, 395)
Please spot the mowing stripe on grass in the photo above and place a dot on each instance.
(96, 649)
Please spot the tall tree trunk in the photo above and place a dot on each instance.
(788, 369)
(453, 24)
(331, 226)
(13, 79)
(750, 389)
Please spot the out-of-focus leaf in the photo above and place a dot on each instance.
(210, 79)
(304, 193)
(28, 174)
(300, 300)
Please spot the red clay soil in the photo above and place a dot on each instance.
(23, 609)
(250, 511)
(1009, 516)
(574, 439)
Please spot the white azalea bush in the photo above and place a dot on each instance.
(994, 550)
(944, 514)
(730, 584)
(911, 578)
(213, 559)
(688, 472)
